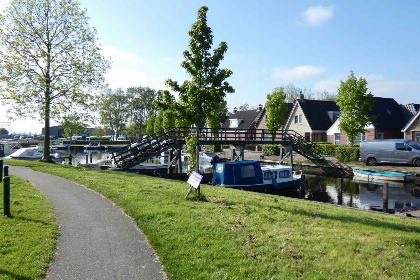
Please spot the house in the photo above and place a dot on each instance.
(387, 125)
(243, 123)
(312, 118)
(263, 123)
(412, 129)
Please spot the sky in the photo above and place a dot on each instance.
(311, 44)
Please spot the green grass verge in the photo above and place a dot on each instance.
(234, 234)
(28, 238)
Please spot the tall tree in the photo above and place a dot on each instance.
(73, 124)
(114, 110)
(49, 60)
(141, 106)
(3, 131)
(276, 109)
(207, 88)
(150, 128)
(355, 105)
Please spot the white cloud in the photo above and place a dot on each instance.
(297, 73)
(316, 15)
(402, 91)
(127, 70)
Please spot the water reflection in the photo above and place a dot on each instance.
(362, 195)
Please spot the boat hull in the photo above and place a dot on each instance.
(371, 175)
(265, 187)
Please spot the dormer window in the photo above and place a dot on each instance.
(333, 115)
(234, 123)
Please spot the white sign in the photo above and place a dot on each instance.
(195, 179)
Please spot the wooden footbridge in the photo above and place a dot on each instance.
(174, 138)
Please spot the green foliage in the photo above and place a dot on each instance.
(293, 92)
(326, 149)
(191, 142)
(150, 129)
(73, 125)
(99, 131)
(214, 148)
(4, 131)
(355, 106)
(114, 110)
(201, 99)
(346, 153)
(276, 109)
(28, 239)
(158, 123)
(270, 150)
(168, 119)
(50, 61)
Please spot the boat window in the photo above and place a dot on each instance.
(267, 175)
(274, 176)
(219, 168)
(284, 174)
(247, 171)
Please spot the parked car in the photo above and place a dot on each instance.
(390, 150)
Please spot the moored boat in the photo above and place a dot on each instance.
(26, 153)
(249, 175)
(371, 175)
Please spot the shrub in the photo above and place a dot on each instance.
(214, 148)
(326, 149)
(270, 150)
(346, 153)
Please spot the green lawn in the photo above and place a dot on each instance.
(28, 238)
(234, 234)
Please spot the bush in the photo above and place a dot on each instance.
(270, 150)
(326, 149)
(214, 148)
(346, 153)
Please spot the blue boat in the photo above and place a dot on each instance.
(378, 175)
(249, 175)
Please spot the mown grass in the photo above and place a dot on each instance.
(28, 238)
(233, 234)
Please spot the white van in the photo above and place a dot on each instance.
(390, 150)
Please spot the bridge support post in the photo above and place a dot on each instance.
(291, 159)
(232, 154)
(179, 151)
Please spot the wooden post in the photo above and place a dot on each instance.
(232, 154)
(340, 191)
(242, 153)
(302, 187)
(291, 159)
(179, 152)
(90, 156)
(170, 158)
(385, 196)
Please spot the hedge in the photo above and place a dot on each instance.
(346, 153)
(270, 150)
(214, 148)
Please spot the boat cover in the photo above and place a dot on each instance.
(237, 173)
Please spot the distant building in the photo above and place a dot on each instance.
(55, 131)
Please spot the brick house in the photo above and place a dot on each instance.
(388, 124)
(312, 118)
(412, 129)
(244, 121)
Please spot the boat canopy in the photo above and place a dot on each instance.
(237, 173)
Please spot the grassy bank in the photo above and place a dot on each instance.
(28, 238)
(234, 234)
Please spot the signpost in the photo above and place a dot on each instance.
(194, 182)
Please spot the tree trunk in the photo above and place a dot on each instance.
(46, 154)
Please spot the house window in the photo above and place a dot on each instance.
(360, 138)
(379, 135)
(337, 139)
(417, 137)
(298, 119)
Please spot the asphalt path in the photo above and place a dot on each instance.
(97, 240)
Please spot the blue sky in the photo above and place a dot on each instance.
(311, 44)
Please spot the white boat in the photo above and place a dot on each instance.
(26, 153)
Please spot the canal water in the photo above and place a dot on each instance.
(322, 189)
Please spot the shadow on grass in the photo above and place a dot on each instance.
(32, 220)
(363, 221)
(13, 275)
(197, 197)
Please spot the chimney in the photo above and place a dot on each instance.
(234, 110)
(260, 107)
(301, 96)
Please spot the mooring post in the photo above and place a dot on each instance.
(385, 196)
(340, 191)
(302, 187)
(291, 159)
(6, 171)
(91, 155)
(179, 152)
(232, 154)
(1, 170)
(87, 158)
(6, 196)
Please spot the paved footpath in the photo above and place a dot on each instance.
(97, 240)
